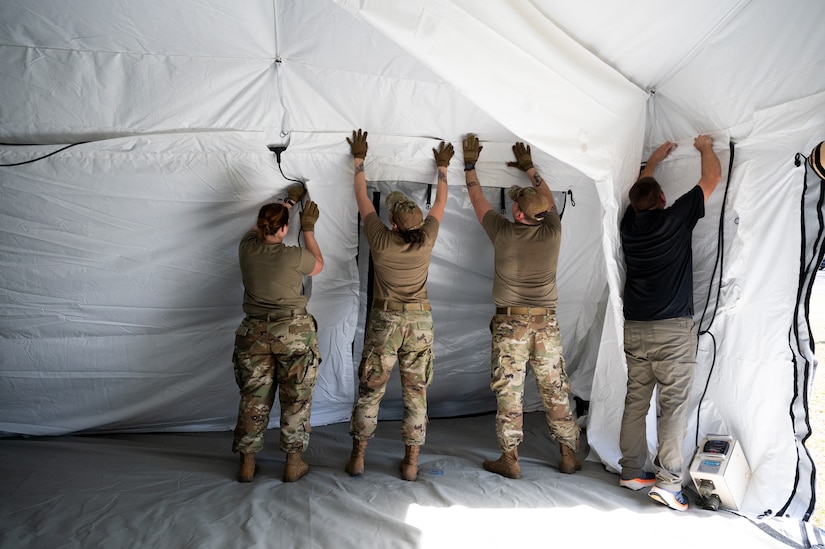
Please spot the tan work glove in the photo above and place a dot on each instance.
(524, 160)
(358, 145)
(443, 154)
(294, 193)
(471, 149)
(309, 216)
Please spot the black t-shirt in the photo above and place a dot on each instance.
(659, 258)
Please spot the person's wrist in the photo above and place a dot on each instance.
(469, 166)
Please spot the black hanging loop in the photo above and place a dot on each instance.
(503, 207)
(429, 195)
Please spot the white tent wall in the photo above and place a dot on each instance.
(120, 282)
(119, 269)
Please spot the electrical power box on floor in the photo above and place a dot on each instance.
(720, 472)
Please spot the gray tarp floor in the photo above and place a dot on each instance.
(178, 490)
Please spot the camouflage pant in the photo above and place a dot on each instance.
(409, 337)
(517, 341)
(280, 355)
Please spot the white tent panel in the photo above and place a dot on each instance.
(101, 69)
(555, 88)
(646, 54)
(742, 68)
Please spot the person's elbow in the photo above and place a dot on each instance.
(319, 266)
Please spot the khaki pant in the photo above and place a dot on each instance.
(660, 353)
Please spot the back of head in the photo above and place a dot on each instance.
(531, 202)
(645, 194)
(406, 214)
(271, 217)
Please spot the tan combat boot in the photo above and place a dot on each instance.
(295, 467)
(507, 465)
(409, 467)
(247, 469)
(568, 463)
(355, 465)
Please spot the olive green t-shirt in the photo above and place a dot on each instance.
(400, 269)
(526, 257)
(272, 275)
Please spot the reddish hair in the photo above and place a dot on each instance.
(271, 218)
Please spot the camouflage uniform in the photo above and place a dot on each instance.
(518, 339)
(407, 335)
(275, 355)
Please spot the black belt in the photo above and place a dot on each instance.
(286, 313)
(399, 306)
(531, 311)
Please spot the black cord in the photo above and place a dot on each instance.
(278, 150)
(284, 176)
(42, 157)
(720, 260)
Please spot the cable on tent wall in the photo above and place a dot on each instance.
(719, 262)
(278, 149)
(805, 287)
(42, 157)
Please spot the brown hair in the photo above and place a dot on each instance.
(407, 217)
(414, 236)
(271, 218)
(644, 194)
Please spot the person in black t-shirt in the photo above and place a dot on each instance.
(659, 331)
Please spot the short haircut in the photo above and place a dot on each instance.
(644, 194)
